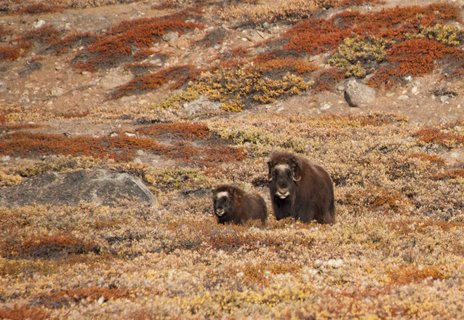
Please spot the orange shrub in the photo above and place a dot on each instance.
(185, 130)
(37, 8)
(318, 35)
(53, 246)
(328, 79)
(125, 40)
(23, 312)
(66, 297)
(412, 57)
(177, 75)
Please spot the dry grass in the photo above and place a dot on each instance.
(67, 297)
(47, 247)
(259, 12)
(396, 250)
(407, 274)
(33, 145)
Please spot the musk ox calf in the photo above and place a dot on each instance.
(232, 204)
(300, 189)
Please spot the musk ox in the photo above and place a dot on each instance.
(232, 204)
(300, 189)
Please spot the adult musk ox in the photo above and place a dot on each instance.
(300, 189)
(232, 204)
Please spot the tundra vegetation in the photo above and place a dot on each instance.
(397, 247)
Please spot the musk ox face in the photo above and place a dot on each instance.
(222, 203)
(283, 178)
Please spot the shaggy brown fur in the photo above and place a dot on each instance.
(300, 189)
(232, 204)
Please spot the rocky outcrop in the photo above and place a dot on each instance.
(99, 186)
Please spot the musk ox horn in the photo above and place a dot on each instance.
(269, 175)
(295, 178)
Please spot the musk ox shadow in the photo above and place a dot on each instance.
(234, 205)
(300, 189)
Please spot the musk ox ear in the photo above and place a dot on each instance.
(296, 170)
(269, 174)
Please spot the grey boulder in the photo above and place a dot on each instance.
(100, 186)
(358, 94)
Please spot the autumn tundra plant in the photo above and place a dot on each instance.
(300, 189)
(232, 204)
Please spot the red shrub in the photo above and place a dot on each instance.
(126, 39)
(179, 130)
(53, 246)
(268, 62)
(328, 79)
(75, 39)
(177, 75)
(412, 57)
(448, 174)
(14, 52)
(31, 145)
(349, 3)
(66, 297)
(37, 8)
(22, 313)
(44, 35)
(318, 35)
(120, 148)
(434, 135)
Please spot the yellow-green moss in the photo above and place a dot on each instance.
(176, 99)
(236, 88)
(359, 56)
(443, 33)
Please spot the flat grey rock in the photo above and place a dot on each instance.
(103, 187)
(358, 94)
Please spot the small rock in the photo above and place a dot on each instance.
(6, 158)
(200, 106)
(334, 263)
(403, 97)
(454, 158)
(3, 87)
(325, 106)
(39, 23)
(266, 25)
(170, 36)
(129, 134)
(56, 92)
(156, 62)
(101, 300)
(341, 88)
(415, 90)
(444, 99)
(358, 94)
(114, 78)
(24, 99)
(408, 78)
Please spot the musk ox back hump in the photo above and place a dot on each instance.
(232, 204)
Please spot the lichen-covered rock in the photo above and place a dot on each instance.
(97, 186)
(358, 94)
